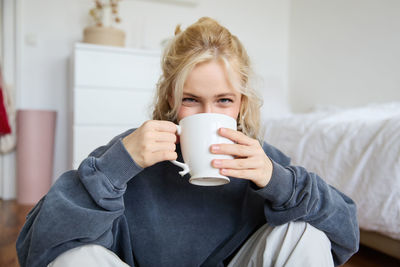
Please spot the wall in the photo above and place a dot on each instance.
(51, 27)
(9, 57)
(1, 29)
(344, 53)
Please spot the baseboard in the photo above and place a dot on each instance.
(381, 243)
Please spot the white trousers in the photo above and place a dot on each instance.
(291, 244)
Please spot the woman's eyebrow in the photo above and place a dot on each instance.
(225, 95)
(216, 96)
(190, 95)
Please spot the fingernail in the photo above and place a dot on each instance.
(215, 148)
(217, 162)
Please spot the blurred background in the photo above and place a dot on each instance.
(306, 54)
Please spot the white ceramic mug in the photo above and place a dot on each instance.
(197, 133)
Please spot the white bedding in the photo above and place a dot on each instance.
(355, 150)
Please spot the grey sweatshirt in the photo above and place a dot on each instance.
(154, 217)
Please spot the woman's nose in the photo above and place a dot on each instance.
(208, 108)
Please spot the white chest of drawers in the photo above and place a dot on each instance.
(112, 91)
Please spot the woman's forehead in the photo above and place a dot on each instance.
(210, 78)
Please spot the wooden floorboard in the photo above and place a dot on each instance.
(12, 218)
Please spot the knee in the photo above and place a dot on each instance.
(89, 256)
(305, 232)
(304, 245)
(312, 233)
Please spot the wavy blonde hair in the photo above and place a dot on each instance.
(204, 41)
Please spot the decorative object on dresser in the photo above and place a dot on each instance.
(112, 91)
(105, 16)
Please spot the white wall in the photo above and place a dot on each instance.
(344, 52)
(50, 27)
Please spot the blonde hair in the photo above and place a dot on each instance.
(204, 41)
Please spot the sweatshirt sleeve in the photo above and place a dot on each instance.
(294, 194)
(84, 206)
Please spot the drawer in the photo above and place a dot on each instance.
(112, 106)
(116, 69)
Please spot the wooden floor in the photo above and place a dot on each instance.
(12, 217)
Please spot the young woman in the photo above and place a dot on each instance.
(127, 204)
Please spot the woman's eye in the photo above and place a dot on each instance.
(225, 100)
(188, 100)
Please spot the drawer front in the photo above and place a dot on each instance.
(112, 107)
(121, 70)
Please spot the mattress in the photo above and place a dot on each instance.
(356, 150)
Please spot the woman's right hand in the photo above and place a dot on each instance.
(152, 142)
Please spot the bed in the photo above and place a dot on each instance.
(356, 150)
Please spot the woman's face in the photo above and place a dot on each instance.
(208, 90)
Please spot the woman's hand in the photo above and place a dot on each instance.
(152, 142)
(250, 160)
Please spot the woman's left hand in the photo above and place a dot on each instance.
(250, 161)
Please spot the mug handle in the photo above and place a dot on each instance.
(184, 166)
